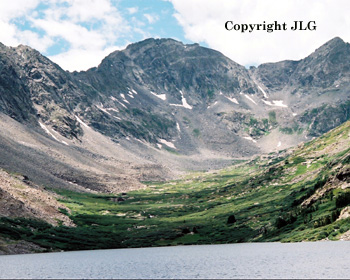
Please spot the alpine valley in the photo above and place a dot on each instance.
(166, 144)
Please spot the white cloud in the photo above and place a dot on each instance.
(89, 28)
(203, 21)
(74, 23)
(9, 33)
(132, 10)
(78, 59)
(78, 36)
(151, 18)
(13, 9)
(87, 10)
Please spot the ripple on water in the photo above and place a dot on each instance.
(251, 260)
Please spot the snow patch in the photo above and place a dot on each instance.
(249, 138)
(103, 109)
(251, 99)
(49, 133)
(184, 102)
(140, 141)
(294, 114)
(267, 102)
(122, 104)
(178, 127)
(212, 104)
(124, 99)
(169, 144)
(81, 122)
(264, 93)
(337, 86)
(277, 103)
(160, 96)
(113, 109)
(130, 94)
(233, 100)
(279, 144)
(113, 98)
(134, 91)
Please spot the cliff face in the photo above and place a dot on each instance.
(36, 90)
(316, 87)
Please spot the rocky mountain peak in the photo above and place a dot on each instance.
(332, 44)
(143, 46)
(328, 66)
(166, 66)
(334, 51)
(322, 68)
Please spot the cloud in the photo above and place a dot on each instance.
(89, 29)
(77, 34)
(132, 10)
(151, 18)
(203, 21)
(10, 34)
(80, 59)
(13, 9)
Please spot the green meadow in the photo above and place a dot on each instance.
(291, 196)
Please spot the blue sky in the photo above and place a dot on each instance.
(78, 34)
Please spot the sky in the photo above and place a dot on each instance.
(78, 34)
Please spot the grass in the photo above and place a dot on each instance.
(268, 198)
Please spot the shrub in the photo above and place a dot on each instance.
(272, 117)
(196, 132)
(343, 229)
(231, 219)
(280, 222)
(322, 235)
(342, 200)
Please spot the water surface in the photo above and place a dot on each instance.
(248, 260)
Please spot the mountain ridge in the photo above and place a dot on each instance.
(167, 102)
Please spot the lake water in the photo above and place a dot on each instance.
(249, 260)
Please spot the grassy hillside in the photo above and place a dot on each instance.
(296, 195)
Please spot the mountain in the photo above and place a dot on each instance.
(161, 107)
(315, 88)
(158, 108)
(160, 90)
(155, 111)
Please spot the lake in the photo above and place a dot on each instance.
(246, 260)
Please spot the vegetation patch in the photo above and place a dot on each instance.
(288, 197)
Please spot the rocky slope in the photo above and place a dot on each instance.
(300, 194)
(160, 107)
(315, 88)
